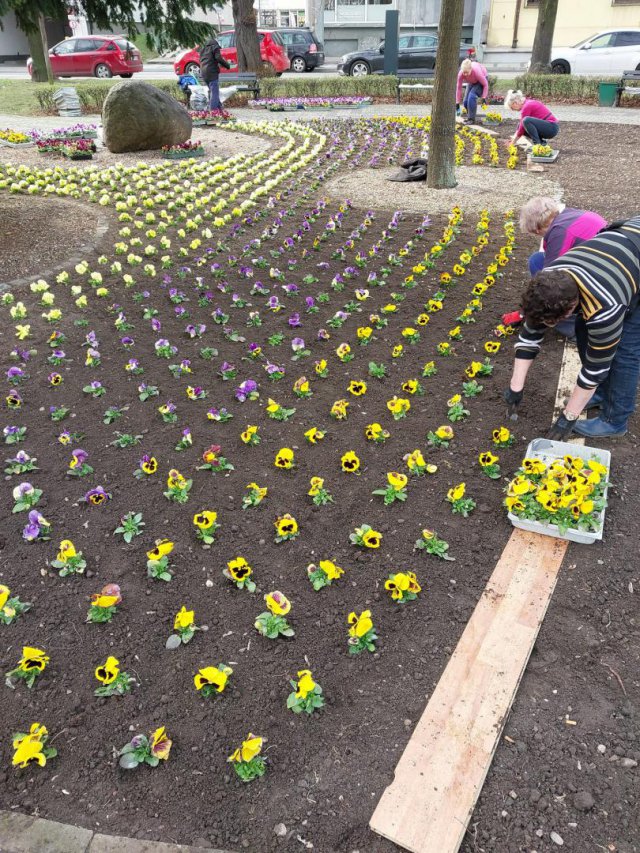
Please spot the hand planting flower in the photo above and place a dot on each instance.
(489, 465)
(239, 571)
(256, 495)
(318, 493)
(285, 458)
(362, 635)
(459, 503)
(158, 560)
(143, 750)
(286, 528)
(104, 603)
(30, 667)
(247, 761)
(205, 523)
(36, 528)
(31, 747)
(25, 496)
(307, 694)
(212, 679)
(114, 682)
(396, 489)
(271, 623)
(502, 437)
(403, 587)
(366, 536)
(441, 437)
(96, 496)
(430, 543)
(398, 407)
(323, 574)
(69, 561)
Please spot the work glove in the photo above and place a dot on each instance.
(513, 318)
(458, 110)
(513, 400)
(561, 429)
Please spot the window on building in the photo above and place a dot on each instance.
(268, 18)
(285, 19)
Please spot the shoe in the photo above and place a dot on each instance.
(469, 121)
(597, 428)
(594, 403)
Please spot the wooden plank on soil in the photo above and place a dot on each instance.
(441, 772)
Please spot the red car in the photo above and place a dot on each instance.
(93, 56)
(272, 50)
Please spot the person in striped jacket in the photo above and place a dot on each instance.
(600, 281)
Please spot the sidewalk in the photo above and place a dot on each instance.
(564, 112)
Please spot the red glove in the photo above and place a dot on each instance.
(514, 318)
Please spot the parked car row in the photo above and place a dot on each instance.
(416, 51)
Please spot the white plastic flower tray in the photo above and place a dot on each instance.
(555, 153)
(548, 451)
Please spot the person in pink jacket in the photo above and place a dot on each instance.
(537, 122)
(475, 76)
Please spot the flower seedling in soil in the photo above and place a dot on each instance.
(125, 439)
(21, 463)
(205, 524)
(239, 572)
(212, 679)
(430, 543)
(250, 435)
(502, 437)
(307, 694)
(178, 487)
(185, 628)
(417, 464)
(278, 412)
(362, 634)
(95, 389)
(146, 392)
(375, 432)
(130, 525)
(271, 623)
(247, 761)
(286, 528)
(69, 561)
(403, 587)
(398, 407)
(31, 747)
(158, 560)
(317, 492)
(366, 537)
(168, 413)
(213, 462)
(10, 606)
(471, 388)
(145, 750)
(459, 503)
(396, 489)
(113, 413)
(25, 496)
(114, 682)
(323, 574)
(441, 437)
(314, 435)
(104, 604)
(256, 494)
(456, 411)
(30, 667)
(14, 434)
(489, 465)
(58, 413)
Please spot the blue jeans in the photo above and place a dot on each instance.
(618, 391)
(214, 95)
(538, 130)
(471, 100)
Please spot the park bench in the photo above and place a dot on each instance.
(244, 81)
(417, 74)
(626, 85)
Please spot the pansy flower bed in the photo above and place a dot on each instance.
(246, 513)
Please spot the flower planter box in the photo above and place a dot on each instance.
(550, 159)
(548, 451)
(291, 108)
(198, 122)
(492, 123)
(317, 107)
(16, 144)
(87, 134)
(183, 155)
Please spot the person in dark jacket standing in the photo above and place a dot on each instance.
(210, 61)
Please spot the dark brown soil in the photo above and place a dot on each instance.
(327, 772)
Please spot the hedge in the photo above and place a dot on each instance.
(92, 94)
(562, 87)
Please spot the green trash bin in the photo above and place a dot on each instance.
(607, 94)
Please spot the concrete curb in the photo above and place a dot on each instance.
(26, 834)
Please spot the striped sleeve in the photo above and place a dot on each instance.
(529, 341)
(604, 330)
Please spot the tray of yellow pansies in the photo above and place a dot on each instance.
(560, 490)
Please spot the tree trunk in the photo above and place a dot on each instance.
(247, 44)
(543, 40)
(40, 53)
(442, 158)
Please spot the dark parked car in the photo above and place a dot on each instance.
(303, 48)
(417, 50)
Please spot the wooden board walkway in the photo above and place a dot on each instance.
(439, 777)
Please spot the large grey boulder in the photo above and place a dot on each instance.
(138, 117)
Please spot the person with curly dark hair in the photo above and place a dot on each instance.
(599, 280)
